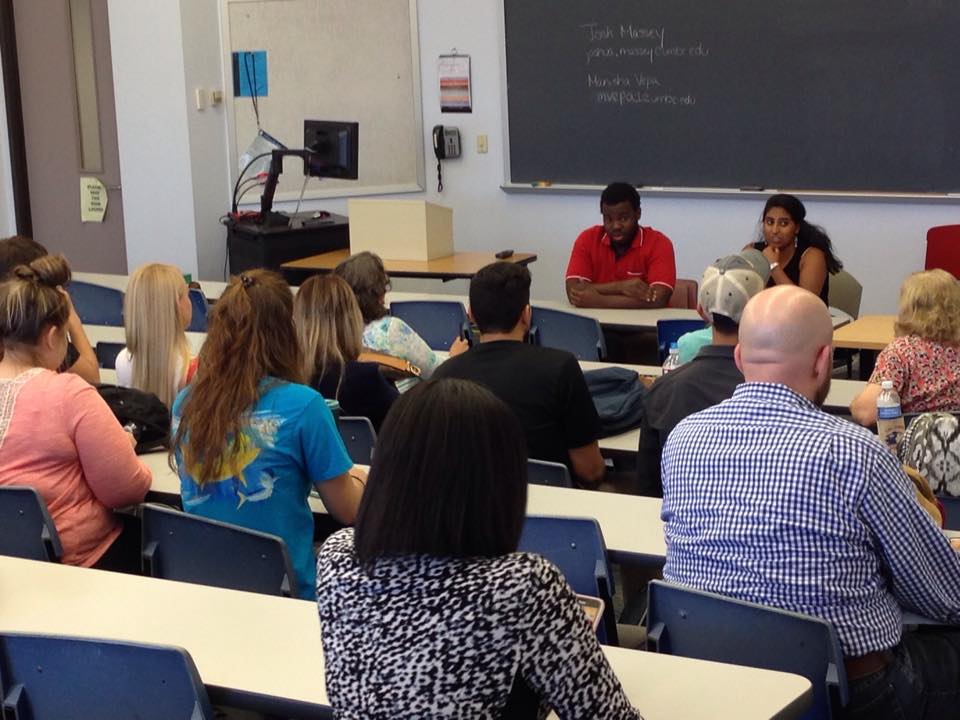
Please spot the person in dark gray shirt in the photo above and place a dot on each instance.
(712, 375)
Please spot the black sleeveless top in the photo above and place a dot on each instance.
(792, 270)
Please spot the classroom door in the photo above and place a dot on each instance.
(70, 128)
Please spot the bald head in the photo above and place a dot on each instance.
(785, 337)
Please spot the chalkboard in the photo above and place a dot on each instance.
(346, 60)
(848, 95)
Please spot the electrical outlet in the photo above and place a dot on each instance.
(481, 144)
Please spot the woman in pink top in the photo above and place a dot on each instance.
(923, 361)
(56, 432)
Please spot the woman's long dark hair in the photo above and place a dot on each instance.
(808, 235)
(449, 478)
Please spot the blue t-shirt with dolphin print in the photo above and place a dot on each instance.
(288, 443)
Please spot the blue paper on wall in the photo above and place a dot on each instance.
(250, 73)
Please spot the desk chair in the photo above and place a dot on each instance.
(575, 545)
(26, 528)
(194, 549)
(198, 301)
(541, 472)
(696, 624)
(684, 294)
(359, 437)
(943, 249)
(844, 294)
(577, 334)
(96, 304)
(48, 676)
(438, 322)
(106, 353)
(669, 331)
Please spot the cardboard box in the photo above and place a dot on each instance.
(400, 229)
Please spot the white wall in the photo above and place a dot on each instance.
(172, 165)
(146, 42)
(8, 223)
(200, 22)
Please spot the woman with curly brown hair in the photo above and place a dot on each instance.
(250, 440)
(923, 361)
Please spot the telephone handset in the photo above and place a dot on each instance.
(446, 142)
(446, 145)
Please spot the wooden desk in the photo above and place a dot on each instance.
(631, 524)
(265, 653)
(458, 265)
(869, 332)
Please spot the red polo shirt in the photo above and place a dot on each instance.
(649, 258)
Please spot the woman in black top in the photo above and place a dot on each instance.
(330, 331)
(799, 253)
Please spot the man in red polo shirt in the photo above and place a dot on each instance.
(621, 264)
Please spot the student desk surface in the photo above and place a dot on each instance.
(868, 332)
(450, 267)
(265, 653)
(631, 524)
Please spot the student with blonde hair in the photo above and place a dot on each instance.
(330, 330)
(923, 361)
(250, 440)
(56, 433)
(156, 313)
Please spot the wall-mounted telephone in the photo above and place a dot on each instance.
(446, 142)
(446, 145)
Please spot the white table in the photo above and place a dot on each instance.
(265, 653)
(631, 524)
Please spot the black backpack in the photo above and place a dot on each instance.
(145, 411)
(618, 396)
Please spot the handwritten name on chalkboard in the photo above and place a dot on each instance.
(627, 44)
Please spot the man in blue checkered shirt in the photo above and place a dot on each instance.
(770, 500)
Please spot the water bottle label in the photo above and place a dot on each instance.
(888, 412)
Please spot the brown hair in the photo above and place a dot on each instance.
(18, 250)
(30, 301)
(329, 325)
(365, 274)
(250, 337)
(930, 307)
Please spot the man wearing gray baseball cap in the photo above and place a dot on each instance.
(726, 287)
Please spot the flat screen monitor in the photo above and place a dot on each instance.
(334, 147)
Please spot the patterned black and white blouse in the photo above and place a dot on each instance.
(427, 637)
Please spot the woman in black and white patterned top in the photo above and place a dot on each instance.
(427, 609)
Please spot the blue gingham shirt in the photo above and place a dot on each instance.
(769, 500)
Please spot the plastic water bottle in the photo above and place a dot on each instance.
(673, 359)
(889, 416)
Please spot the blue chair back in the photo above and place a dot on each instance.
(106, 353)
(951, 511)
(96, 304)
(575, 545)
(198, 301)
(577, 334)
(359, 437)
(189, 548)
(541, 472)
(669, 331)
(438, 322)
(703, 625)
(26, 528)
(47, 676)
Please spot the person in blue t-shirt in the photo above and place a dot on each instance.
(249, 439)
